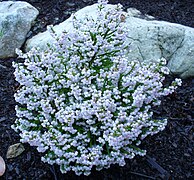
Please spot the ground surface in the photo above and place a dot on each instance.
(169, 153)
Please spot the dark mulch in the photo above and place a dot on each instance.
(169, 153)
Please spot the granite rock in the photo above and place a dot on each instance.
(16, 19)
(150, 39)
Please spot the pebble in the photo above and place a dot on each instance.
(2, 166)
(15, 150)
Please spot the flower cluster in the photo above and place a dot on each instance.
(82, 102)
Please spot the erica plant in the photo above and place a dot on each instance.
(82, 102)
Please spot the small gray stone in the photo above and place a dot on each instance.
(2, 166)
(15, 150)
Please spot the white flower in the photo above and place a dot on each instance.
(82, 102)
(178, 81)
(165, 70)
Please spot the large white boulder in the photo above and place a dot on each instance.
(15, 21)
(150, 40)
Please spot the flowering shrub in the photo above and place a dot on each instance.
(82, 102)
